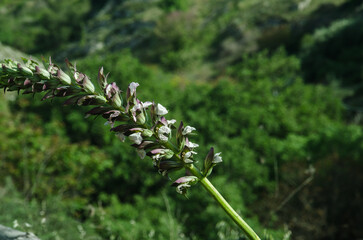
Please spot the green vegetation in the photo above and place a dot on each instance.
(273, 86)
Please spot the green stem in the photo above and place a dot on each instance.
(224, 204)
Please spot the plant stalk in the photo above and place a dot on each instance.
(224, 204)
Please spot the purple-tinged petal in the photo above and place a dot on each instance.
(164, 121)
(135, 129)
(184, 179)
(157, 151)
(27, 82)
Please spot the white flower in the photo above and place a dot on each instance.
(187, 130)
(121, 136)
(171, 122)
(181, 188)
(217, 158)
(156, 157)
(160, 110)
(133, 87)
(136, 138)
(191, 145)
(187, 156)
(163, 130)
(146, 104)
(141, 153)
(136, 107)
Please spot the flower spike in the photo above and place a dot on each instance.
(144, 124)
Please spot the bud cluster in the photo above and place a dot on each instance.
(143, 123)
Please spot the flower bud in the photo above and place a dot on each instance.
(210, 161)
(179, 135)
(168, 154)
(63, 77)
(42, 73)
(147, 133)
(24, 70)
(102, 79)
(116, 100)
(112, 93)
(9, 69)
(140, 118)
(85, 83)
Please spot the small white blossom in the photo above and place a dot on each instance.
(136, 107)
(141, 153)
(171, 122)
(187, 156)
(187, 130)
(217, 158)
(160, 110)
(146, 104)
(191, 145)
(156, 157)
(163, 130)
(133, 87)
(181, 188)
(136, 138)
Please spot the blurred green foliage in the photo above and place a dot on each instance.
(40, 26)
(275, 86)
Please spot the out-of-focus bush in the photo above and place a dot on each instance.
(42, 25)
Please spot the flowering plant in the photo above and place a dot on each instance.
(143, 123)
